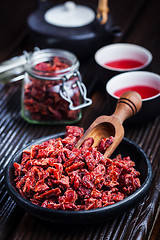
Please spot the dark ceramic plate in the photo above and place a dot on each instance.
(126, 148)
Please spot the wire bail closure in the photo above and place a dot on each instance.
(82, 89)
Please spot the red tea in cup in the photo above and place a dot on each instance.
(124, 64)
(144, 91)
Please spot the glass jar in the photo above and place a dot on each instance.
(53, 92)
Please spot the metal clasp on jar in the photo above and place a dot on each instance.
(64, 93)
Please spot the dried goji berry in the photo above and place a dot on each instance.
(56, 175)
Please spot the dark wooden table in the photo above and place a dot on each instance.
(140, 24)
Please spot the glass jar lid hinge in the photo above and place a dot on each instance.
(82, 89)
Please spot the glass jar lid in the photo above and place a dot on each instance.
(13, 69)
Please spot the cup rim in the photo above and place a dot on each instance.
(123, 45)
(136, 73)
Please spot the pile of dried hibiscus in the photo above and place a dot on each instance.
(56, 175)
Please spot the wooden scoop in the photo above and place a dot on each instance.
(105, 126)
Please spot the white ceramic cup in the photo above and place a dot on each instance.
(151, 105)
(120, 51)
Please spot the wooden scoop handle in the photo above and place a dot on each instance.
(128, 105)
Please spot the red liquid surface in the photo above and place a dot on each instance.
(144, 91)
(124, 64)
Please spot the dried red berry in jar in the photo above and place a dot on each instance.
(42, 101)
